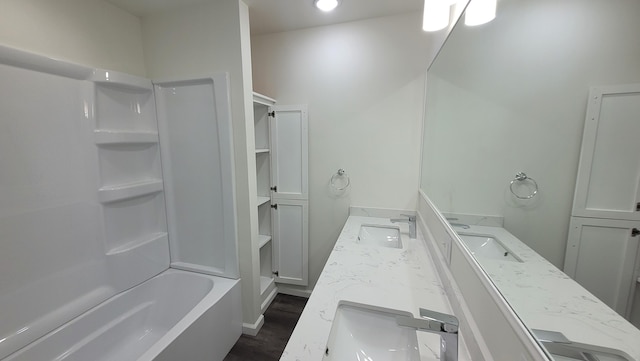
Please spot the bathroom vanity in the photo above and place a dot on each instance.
(377, 276)
(361, 281)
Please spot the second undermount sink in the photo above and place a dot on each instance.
(378, 235)
(363, 332)
(487, 246)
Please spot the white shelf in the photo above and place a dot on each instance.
(130, 190)
(267, 297)
(263, 99)
(138, 243)
(121, 80)
(262, 150)
(265, 282)
(263, 200)
(124, 137)
(263, 240)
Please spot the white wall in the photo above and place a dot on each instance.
(202, 39)
(364, 84)
(88, 32)
(511, 96)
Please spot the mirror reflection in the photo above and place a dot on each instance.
(506, 148)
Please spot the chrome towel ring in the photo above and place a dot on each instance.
(341, 173)
(521, 177)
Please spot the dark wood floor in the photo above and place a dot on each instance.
(279, 320)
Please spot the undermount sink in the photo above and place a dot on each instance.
(363, 332)
(487, 246)
(378, 235)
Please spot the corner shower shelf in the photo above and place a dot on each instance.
(263, 200)
(124, 137)
(263, 240)
(262, 150)
(129, 246)
(121, 80)
(131, 190)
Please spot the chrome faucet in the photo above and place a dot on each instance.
(439, 323)
(453, 224)
(412, 223)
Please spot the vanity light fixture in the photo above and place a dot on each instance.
(479, 12)
(326, 5)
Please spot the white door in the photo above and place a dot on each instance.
(609, 171)
(289, 152)
(290, 219)
(601, 256)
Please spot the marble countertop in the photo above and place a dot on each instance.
(546, 298)
(401, 279)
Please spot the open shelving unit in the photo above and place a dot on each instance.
(261, 105)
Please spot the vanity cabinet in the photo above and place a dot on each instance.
(608, 182)
(281, 143)
(601, 256)
(602, 247)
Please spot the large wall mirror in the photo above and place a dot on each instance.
(512, 96)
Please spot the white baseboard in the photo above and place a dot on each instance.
(306, 293)
(253, 329)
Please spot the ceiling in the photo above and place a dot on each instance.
(271, 16)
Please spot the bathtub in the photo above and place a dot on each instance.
(176, 315)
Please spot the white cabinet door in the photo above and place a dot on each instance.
(609, 173)
(290, 220)
(601, 256)
(289, 152)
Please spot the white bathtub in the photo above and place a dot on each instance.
(176, 315)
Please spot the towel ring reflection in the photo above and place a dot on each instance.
(341, 173)
(521, 177)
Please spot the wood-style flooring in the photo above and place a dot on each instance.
(279, 321)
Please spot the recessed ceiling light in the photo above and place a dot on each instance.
(326, 5)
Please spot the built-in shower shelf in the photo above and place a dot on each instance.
(263, 200)
(121, 80)
(130, 190)
(263, 240)
(138, 243)
(262, 150)
(124, 137)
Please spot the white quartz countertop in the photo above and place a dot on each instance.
(401, 279)
(546, 298)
